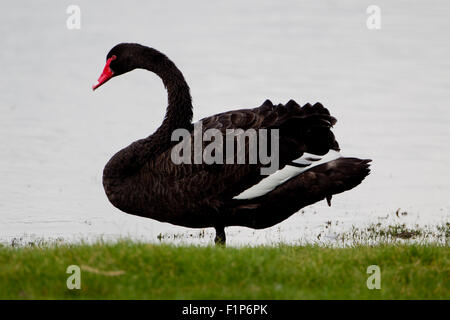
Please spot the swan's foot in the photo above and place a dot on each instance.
(220, 238)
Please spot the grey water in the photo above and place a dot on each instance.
(388, 88)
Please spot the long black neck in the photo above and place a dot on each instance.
(178, 115)
(179, 110)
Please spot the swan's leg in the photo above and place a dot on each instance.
(220, 238)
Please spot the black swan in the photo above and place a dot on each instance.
(143, 180)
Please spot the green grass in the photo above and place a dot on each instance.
(128, 270)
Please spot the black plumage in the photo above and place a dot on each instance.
(142, 180)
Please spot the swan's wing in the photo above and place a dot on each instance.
(267, 115)
(291, 170)
(301, 129)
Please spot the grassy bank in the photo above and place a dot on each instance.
(128, 270)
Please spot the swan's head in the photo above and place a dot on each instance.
(123, 58)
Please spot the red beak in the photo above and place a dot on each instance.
(106, 74)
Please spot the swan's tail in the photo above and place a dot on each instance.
(316, 184)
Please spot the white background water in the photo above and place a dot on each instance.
(389, 89)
